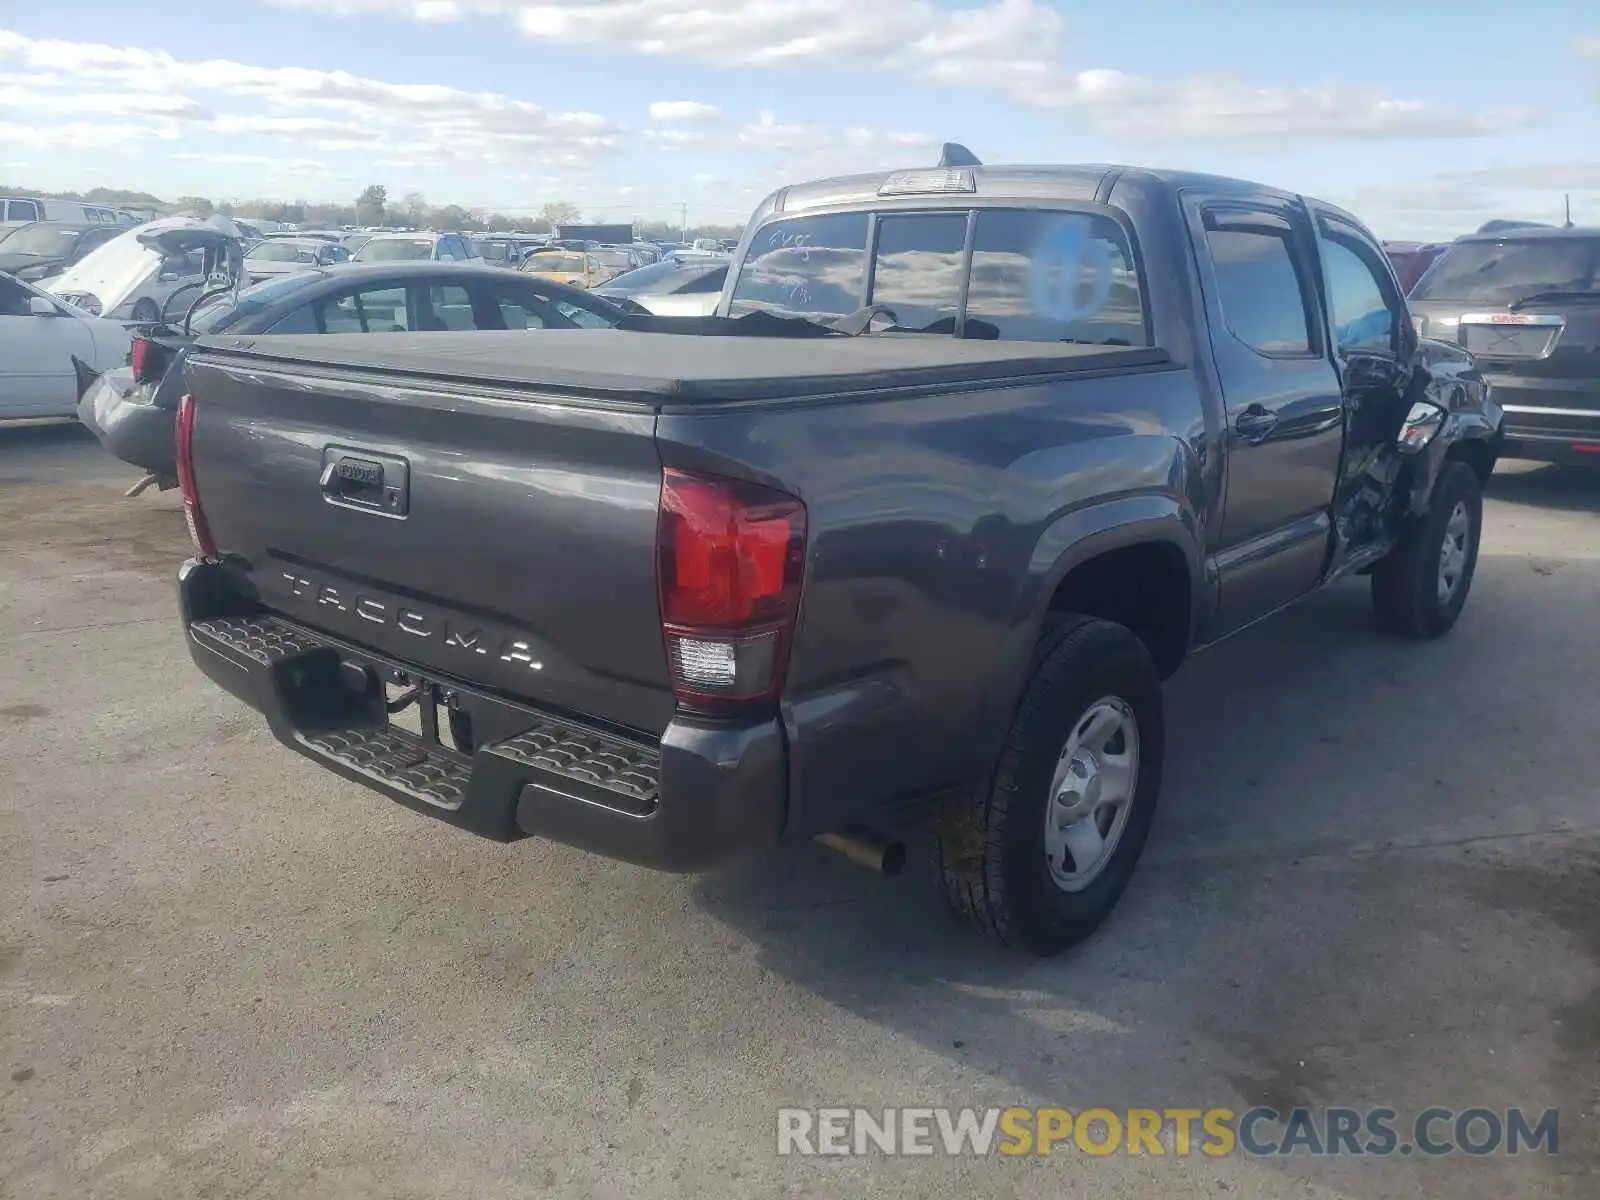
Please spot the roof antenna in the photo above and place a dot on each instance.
(954, 154)
(1568, 225)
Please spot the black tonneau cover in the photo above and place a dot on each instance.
(667, 368)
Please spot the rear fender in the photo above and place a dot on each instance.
(1077, 537)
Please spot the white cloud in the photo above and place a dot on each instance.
(1535, 177)
(1016, 47)
(293, 103)
(769, 133)
(270, 163)
(1227, 109)
(36, 98)
(78, 135)
(683, 110)
(675, 139)
(1457, 202)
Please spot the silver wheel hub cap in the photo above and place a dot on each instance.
(1453, 552)
(1091, 793)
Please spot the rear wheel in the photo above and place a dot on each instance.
(1421, 587)
(1042, 857)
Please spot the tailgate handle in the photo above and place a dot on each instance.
(357, 479)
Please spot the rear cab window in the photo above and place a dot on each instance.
(805, 267)
(1018, 274)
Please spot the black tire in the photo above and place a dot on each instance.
(145, 312)
(992, 852)
(1405, 584)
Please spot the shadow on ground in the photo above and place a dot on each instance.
(1550, 486)
(1351, 897)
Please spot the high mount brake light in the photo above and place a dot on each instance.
(199, 531)
(730, 558)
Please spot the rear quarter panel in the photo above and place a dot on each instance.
(938, 526)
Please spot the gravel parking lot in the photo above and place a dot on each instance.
(224, 973)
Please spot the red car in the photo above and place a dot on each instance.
(1412, 259)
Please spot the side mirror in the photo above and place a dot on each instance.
(38, 306)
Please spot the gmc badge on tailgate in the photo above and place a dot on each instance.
(365, 480)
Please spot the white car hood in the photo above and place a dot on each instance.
(119, 268)
(111, 280)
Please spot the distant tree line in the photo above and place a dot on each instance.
(373, 207)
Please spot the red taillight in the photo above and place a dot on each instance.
(148, 359)
(730, 557)
(139, 359)
(199, 531)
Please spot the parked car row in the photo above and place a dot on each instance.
(1519, 294)
(131, 407)
(34, 208)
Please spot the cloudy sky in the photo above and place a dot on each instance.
(1424, 118)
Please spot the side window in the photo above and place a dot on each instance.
(93, 240)
(1042, 276)
(449, 307)
(379, 310)
(1259, 285)
(300, 320)
(711, 281)
(917, 269)
(805, 266)
(185, 266)
(21, 210)
(13, 298)
(520, 309)
(583, 317)
(1364, 318)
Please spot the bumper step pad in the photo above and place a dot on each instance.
(396, 758)
(582, 763)
(262, 639)
(630, 773)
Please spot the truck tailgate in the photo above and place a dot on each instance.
(499, 539)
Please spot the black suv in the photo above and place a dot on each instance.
(40, 250)
(1526, 304)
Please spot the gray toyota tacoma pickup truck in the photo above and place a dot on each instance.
(968, 461)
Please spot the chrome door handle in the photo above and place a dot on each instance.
(1255, 422)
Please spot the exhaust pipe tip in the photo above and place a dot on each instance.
(868, 848)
